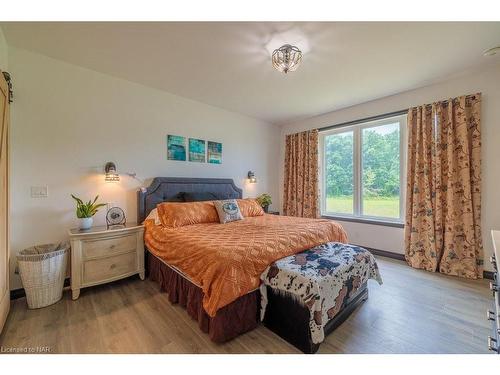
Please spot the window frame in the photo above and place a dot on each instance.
(357, 129)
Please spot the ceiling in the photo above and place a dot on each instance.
(228, 64)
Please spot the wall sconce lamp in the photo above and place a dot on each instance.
(251, 177)
(112, 176)
(110, 170)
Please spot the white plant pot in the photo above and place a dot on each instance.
(86, 223)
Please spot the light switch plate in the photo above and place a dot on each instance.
(39, 191)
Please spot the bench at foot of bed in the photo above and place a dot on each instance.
(289, 319)
(307, 295)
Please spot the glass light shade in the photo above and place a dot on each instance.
(287, 58)
(110, 170)
(112, 177)
(251, 177)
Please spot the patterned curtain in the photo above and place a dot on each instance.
(443, 192)
(301, 194)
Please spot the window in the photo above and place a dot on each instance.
(362, 170)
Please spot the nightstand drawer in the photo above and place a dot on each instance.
(99, 248)
(97, 270)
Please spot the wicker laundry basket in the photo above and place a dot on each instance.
(43, 269)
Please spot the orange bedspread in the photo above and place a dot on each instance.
(226, 260)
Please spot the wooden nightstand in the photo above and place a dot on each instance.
(100, 255)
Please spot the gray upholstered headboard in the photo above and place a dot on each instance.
(168, 188)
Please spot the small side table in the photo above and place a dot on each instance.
(100, 255)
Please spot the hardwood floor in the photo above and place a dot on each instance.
(412, 312)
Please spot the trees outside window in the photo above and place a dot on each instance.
(362, 170)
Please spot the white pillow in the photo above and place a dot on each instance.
(153, 215)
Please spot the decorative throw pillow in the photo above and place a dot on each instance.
(173, 214)
(153, 215)
(249, 207)
(198, 197)
(176, 198)
(228, 210)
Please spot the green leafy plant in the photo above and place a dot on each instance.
(264, 200)
(89, 209)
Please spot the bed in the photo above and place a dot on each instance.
(236, 318)
(227, 304)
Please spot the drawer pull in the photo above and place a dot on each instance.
(112, 247)
(492, 344)
(112, 266)
(490, 315)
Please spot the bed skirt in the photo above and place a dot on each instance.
(230, 321)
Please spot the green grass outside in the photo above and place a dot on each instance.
(372, 206)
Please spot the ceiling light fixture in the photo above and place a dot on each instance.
(287, 58)
(492, 51)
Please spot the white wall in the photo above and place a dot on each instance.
(486, 81)
(67, 122)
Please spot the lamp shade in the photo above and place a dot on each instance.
(251, 177)
(110, 171)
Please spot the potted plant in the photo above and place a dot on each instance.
(264, 200)
(85, 211)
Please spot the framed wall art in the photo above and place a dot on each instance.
(176, 147)
(214, 152)
(196, 150)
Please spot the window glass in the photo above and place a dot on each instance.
(363, 169)
(380, 171)
(339, 173)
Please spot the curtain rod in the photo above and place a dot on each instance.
(386, 115)
(446, 101)
(372, 118)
